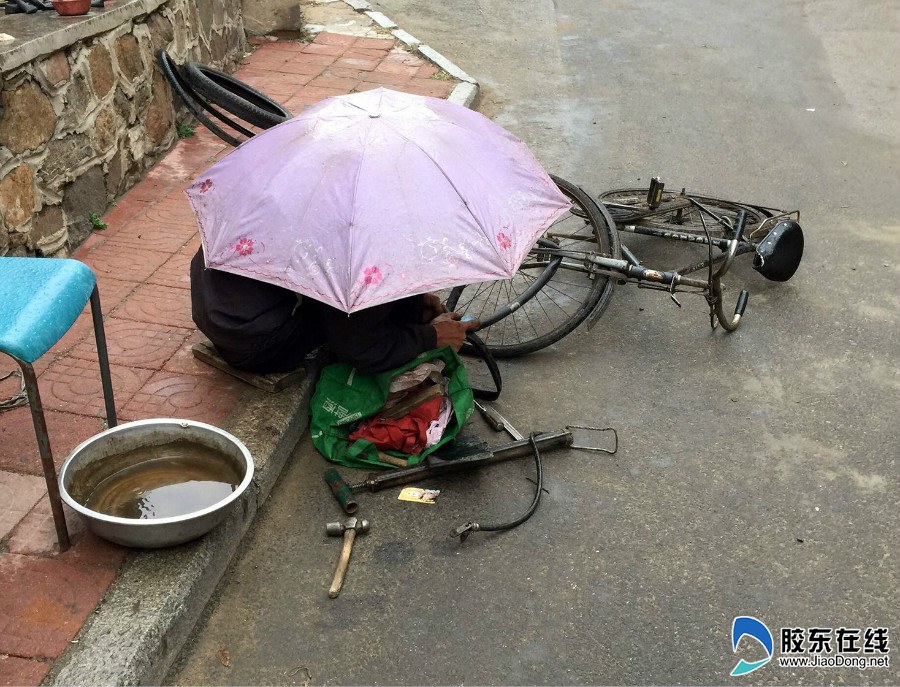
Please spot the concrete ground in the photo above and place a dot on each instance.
(757, 473)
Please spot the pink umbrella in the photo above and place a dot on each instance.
(367, 198)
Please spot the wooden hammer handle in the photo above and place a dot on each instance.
(343, 562)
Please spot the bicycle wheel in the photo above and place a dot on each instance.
(629, 206)
(547, 298)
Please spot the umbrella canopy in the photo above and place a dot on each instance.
(367, 198)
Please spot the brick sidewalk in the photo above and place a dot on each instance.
(141, 262)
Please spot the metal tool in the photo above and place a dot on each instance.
(348, 528)
(498, 422)
(377, 481)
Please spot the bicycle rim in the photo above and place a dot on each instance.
(626, 206)
(563, 303)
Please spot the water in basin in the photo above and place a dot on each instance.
(165, 481)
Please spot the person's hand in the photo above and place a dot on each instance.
(432, 307)
(450, 331)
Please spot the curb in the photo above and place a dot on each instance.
(140, 626)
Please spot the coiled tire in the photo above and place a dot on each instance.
(234, 96)
(194, 102)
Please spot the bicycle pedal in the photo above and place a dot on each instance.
(654, 196)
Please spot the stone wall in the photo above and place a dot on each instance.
(82, 122)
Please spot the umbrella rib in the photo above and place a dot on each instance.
(452, 185)
(353, 209)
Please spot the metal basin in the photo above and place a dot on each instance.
(107, 454)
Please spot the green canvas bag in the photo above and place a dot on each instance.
(344, 395)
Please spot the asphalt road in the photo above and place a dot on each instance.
(758, 471)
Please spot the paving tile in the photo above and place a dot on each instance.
(277, 88)
(362, 64)
(187, 397)
(203, 137)
(332, 82)
(18, 494)
(251, 75)
(174, 209)
(268, 59)
(374, 43)
(22, 671)
(125, 263)
(184, 362)
(426, 71)
(402, 56)
(343, 72)
(135, 344)
(429, 87)
(364, 54)
(158, 304)
(72, 385)
(396, 68)
(98, 238)
(112, 292)
(308, 58)
(323, 49)
(307, 68)
(45, 601)
(366, 86)
(291, 46)
(147, 234)
(386, 78)
(82, 328)
(36, 536)
(20, 449)
(175, 272)
(150, 188)
(124, 210)
(326, 38)
(184, 159)
(308, 95)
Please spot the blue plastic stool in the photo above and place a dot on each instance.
(40, 299)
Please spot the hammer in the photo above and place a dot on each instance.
(348, 528)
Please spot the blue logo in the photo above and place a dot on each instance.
(745, 625)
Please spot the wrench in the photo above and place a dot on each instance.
(497, 421)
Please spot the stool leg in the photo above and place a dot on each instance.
(43, 439)
(100, 336)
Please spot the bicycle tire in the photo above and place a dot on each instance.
(234, 96)
(689, 219)
(558, 307)
(181, 88)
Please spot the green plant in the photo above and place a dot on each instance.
(441, 76)
(184, 130)
(96, 221)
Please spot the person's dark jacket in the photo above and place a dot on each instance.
(264, 328)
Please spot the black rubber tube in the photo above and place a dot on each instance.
(191, 99)
(234, 96)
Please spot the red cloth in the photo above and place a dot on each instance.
(407, 435)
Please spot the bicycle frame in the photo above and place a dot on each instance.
(631, 270)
